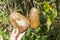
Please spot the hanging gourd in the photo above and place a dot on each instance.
(34, 18)
(19, 21)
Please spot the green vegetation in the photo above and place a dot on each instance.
(48, 14)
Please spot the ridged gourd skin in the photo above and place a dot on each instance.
(34, 18)
(19, 21)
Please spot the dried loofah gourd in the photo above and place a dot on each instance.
(34, 18)
(19, 21)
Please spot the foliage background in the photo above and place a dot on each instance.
(49, 9)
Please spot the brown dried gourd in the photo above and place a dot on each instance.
(19, 21)
(34, 18)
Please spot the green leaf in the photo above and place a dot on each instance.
(46, 6)
(0, 1)
(53, 14)
(1, 19)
